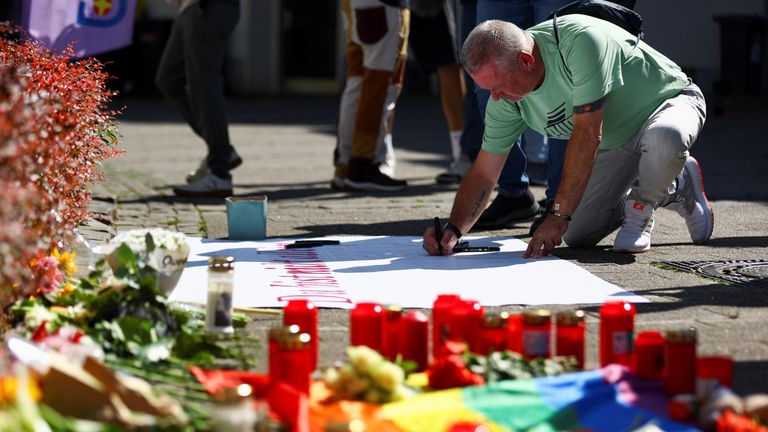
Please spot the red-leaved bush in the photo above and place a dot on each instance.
(54, 133)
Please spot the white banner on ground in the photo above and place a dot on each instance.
(391, 270)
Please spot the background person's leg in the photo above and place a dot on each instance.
(472, 137)
(171, 78)
(514, 201)
(205, 43)
(348, 105)
(381, 32)
(451, 95)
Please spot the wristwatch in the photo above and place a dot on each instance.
(555, 211)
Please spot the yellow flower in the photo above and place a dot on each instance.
(66, 261)
(67, 288)
(388, 376)
(9, 389)
(363, 358)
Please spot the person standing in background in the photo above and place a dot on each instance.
(190, 76)
(472, 137)
(377, 43)
(434, 45)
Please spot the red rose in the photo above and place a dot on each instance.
(450, 371)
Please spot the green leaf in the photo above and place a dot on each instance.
(137, 330)
(127, 263)
(150, 243)
(408, 366)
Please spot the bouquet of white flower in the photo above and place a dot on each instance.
(368, 376)
(163, 250)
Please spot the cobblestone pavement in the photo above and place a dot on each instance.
(287, 144)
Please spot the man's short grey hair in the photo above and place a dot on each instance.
(495, 40)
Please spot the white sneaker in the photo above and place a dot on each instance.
(635, 233)
(388, 162)
(209, 185)
(691, 202)
(234, 162)
(388, 167)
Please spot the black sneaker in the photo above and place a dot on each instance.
(544, 205)
(505, 211)
(364, 175)
(536, 224)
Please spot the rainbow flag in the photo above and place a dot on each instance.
(91, 26)
(608, 399)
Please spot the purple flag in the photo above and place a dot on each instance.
(92, 26)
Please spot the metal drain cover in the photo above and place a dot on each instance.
(740, 272)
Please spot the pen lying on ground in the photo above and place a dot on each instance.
(311, 243)
(465, 248)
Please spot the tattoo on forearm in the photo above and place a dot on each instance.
(478, 203)
(590, 107)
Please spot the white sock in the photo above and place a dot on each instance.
(455, 144)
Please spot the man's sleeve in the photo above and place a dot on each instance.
(594, 60)
(503, 126)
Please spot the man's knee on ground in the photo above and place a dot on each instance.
(582, 239)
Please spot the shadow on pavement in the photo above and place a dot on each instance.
(413, 227)
(750, 377)
(290, 192)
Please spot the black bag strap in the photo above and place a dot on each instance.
(614, 13)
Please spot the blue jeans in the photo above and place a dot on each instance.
(472, 137)
(523, 13)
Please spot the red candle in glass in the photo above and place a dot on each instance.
(414, 338)
(465, 321)
(295, 355)
(617, 326)
(680, 361)
(537, 326)
(493, 333)
(569, 335)
(441, 311)
(303, 313)
(717, 368)
(390, 332)
(514, 333)
(276, 335)
(649, 355)
(365, 324)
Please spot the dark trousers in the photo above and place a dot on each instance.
(190, 74)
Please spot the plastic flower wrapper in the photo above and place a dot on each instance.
(69, 341)
(367, 377)
(163, 250)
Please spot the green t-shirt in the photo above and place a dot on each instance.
(604, 60)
